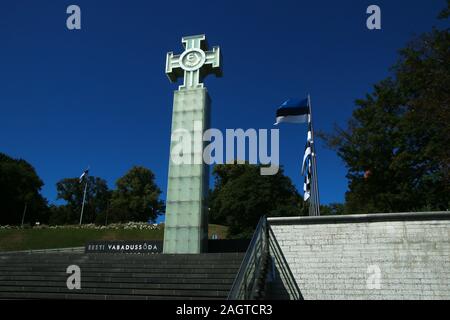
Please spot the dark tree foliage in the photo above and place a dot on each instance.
(397, 143)
(71, 190)
(62, 214)
(332, 209)
(241, 195)
(19, 188)
(444, 14)
(137, 197)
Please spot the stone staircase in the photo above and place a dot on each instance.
(119, 276)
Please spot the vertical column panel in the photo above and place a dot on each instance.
(186, 214)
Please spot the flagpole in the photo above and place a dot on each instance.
(312, 198)
(23, 215)
(314, 164)
(84, 200)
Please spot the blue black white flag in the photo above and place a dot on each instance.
(84, 175)
(293, 111)
(307, 183)
(307, 164)
(299, 111)
(308, 149)
(306, 157)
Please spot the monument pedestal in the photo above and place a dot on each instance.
(186, 228)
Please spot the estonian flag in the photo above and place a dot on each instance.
(306, 165)
(293, 111)
(307, 184)
(84, 174)
(308, 150)
(306, 157)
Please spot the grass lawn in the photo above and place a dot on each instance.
(28, 239)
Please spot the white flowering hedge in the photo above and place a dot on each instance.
(113, 226)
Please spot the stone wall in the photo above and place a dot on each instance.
(379, 256)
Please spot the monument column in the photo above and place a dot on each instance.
(186, 226)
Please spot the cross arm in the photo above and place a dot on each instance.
(213, 63)
(173, 68)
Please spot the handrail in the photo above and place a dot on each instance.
(245, 285)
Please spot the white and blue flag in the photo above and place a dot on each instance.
(293, 111)
(84, 175)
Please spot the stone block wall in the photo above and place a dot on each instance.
(380, 256)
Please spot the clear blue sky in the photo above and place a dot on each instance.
(99, 96)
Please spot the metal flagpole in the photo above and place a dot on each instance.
(84, 200)
(311, 182)
(309, 172)
(314, 165)
(312, 209)
(313, 198)
(24, 211)
(306, 180)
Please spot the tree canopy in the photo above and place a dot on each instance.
(242, 195)
(20, 191)
(137, 197)
(72, 191)
(397, 143)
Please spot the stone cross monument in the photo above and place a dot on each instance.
(186, 227)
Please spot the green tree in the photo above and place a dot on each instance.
(242, 195)
(332, 209)
(61, 214)
(137, 197)
(71, 190)
(397, 143)
(20, 191)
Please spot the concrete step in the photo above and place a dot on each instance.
(117, 257)
(118, 276)
(80, 296)
(174, 265)
(106, 275)
(120, 285)
(119, 279)
(99, 269)
(121, 291)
